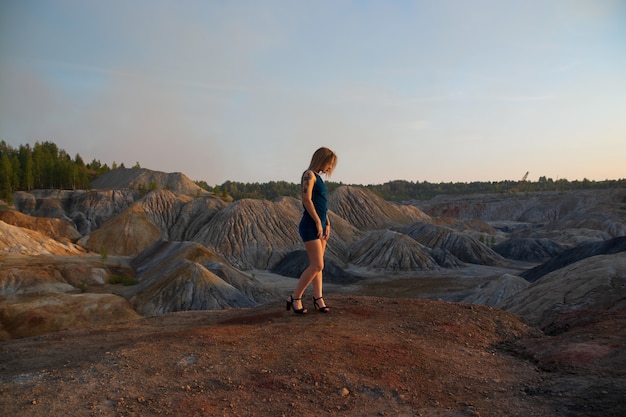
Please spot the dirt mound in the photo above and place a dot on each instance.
(58, 229)
(586, 352)
(529, 250)
(568, 218)
(580, 252)
(368, 357)
(137, 226)
(496, 290)
(126, 234)
(294, 263)
(19, 240)
(596, 283)
(367, 211)
(252, 233)
(48, 293)
(386, 250)
(29, 316)
(180, 276)
(462, 246)
(146, 179)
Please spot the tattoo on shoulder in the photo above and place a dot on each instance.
(306, 178)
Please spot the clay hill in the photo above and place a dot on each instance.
(146, 295)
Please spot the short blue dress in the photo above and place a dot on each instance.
(307, 228)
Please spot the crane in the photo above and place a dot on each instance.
(524, 177)
(518, 187)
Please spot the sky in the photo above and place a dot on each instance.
(422, 90)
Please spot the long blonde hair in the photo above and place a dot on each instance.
(320, 158)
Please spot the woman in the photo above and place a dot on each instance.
(314, 229)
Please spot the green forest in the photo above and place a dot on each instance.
(401, 190)
(44, 165)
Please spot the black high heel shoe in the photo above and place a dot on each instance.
(324, 309)
(290, 305)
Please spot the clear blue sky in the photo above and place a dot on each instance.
(438, 91)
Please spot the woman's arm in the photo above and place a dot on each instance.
(308, 181)
(327, 231)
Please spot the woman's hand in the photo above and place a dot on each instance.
(320, 230)
(326, 235)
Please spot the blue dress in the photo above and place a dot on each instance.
(307, 228)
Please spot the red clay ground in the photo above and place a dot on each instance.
(368, 357)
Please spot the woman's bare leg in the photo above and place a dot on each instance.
(315, 250)
(317, 281)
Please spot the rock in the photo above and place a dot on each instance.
(35, 275)
(33, 278)
(607, 224)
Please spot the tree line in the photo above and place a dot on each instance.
(401, 190)
(44, 165)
